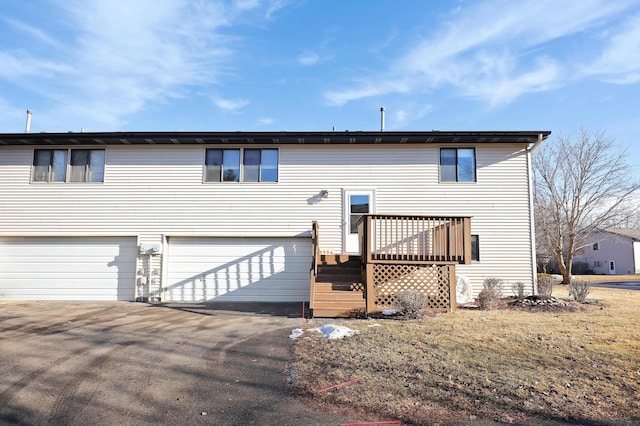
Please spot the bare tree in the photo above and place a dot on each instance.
(582, 184)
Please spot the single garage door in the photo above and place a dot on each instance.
(67, 268)
(238, 269)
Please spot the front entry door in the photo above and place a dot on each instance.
(612, 267)
(356, 204)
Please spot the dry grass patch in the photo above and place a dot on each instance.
(504, 365)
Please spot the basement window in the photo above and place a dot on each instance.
(241, 165)
(457, 165)
(68, 165)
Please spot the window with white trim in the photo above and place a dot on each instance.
(68, 165)
(457, 164)
(597, 263)
(596, 246)
(241, 165)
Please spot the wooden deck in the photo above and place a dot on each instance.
(397, 253)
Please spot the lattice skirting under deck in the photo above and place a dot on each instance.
(432, 280)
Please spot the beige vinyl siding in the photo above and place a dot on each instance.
(159, 190)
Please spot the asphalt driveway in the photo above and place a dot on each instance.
(90, 363)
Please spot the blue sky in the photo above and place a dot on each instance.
(315, 64)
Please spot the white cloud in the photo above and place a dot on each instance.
(122, 56)
(265, 121)
(487, 51)
(230, 104)
(11, 118)
(21, 64)
(308, 58)
(408, 114)
(274, 6)
(620, 60)
(33, 32)
(246, 4)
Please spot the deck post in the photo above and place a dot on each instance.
(467, 240)
(370, 288)
(314, 266)
(453, 303)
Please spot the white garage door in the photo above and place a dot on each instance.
(67, 268)
(238, 269)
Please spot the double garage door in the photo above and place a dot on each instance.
(67, 268)
(238, 269)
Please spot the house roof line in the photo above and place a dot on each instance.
(625, 232)
(271, 138)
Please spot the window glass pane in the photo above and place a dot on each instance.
(41, 163)
(59, 167)
(213, 163)
(269, 172)
(448, 165)
(96, 165)
(357, 204)
(466, 165)
(79, 161)
(475, 248)
(251, 165)
(231, 165)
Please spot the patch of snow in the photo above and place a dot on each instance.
(464, 292)
(332, 331)
(295, 333)
(329, 331)
(389, 312)
(375, 325)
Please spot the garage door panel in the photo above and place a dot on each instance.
(67, 268)
(242, 269)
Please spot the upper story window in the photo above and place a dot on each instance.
(596, 246)
(241, 165)
(87, 165)
(68, 165)
(457, 165)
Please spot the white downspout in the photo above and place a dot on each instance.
(532, 148)
(532, 227)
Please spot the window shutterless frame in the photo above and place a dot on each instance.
(241, 165)
(68, 165)
(458, 164)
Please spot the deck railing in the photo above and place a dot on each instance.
(414, 239)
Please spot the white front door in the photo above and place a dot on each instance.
(356, 204)
(612, 267)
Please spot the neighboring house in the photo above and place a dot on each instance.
(193, 216)
(611, 252)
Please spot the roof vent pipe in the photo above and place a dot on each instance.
(382, 119)
(27, 127)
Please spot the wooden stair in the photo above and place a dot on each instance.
(339, 291)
